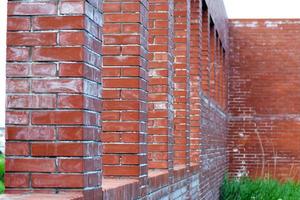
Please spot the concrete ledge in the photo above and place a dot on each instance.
(36, 196)
(194, 168)
(180, 172)
(125, 189)
(157, 179)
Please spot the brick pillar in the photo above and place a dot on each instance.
(195, 74)
(205, 50)
(221, 84)
(161, 113)
(53, 96)
(125, 90)
(182, 81)
(217, 72)
(212, 63)
(222, 77)
(226, 78)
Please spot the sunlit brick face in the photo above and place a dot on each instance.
(53, 71)
(161, 86)
(113, 99)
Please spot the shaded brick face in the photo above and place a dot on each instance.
(264, 98)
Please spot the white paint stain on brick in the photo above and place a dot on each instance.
(270, 24)
(153, 72)
(36, 8)
(160, 106)
(275, 24)
(72, 7)
(242, 172)
(242, 24)
(91, 88)
(242, 134)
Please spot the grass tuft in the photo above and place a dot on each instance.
(259, 189)
(2, 170)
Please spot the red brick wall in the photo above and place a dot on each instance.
(125, 67)
(213, 113)
(126, 119)
(264, 98)
(161, 86)
(53, 96)
(181, 81)
(195, 85)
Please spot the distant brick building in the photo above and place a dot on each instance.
(144, 99)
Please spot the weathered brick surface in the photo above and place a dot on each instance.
(211, 111)
(213, 114)
(53, 96)
(182, 29)
(264, 98)
(168, 114)
(195, 86)
(125, 72)
(213, 154)
(160, 106)
(159, 102)
(205, 49)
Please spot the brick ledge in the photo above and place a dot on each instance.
(114, 188)
(38, 196)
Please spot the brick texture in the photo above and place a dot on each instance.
(116, 99)
(213, 135)
(125, 81)
(160, 106)
(182, 14)
(53, 96)
(264, 98)
(195, 79)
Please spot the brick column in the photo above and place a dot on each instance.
(205, 51)
(182, 82)
(221, 74)
(226, 78)
(125, 90)
(212, 58)
(223, 78)
(53, 96)
(195, 73)
(217, 72)
(161, 113)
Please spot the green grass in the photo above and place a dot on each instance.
(2, 170)
(259, 189)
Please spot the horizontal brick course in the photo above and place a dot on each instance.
(263, 98)
(150, 125)
(53, 97)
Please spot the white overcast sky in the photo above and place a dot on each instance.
(235, 9)
(263, 8)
